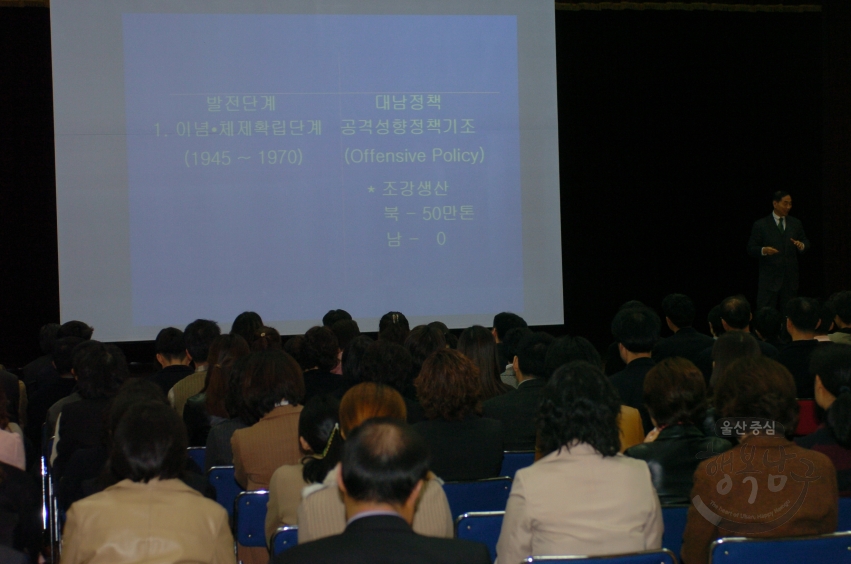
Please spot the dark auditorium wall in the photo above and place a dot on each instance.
(675, 127)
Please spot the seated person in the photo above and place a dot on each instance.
(322, 513)
(583, 497)
(779, 473)
(464, 446)
(149, 515)
(831, 367)
(170, 347)
(383, 470)
(223, 400)
(675, 395)
(12, 450)
(322, 357)
(478, 344)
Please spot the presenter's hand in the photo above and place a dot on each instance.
(797, 244)
(769, 251)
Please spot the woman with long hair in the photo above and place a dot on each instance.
(478, 344)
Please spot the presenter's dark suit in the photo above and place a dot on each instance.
(384, 539)
(517, 410)
(778, 274)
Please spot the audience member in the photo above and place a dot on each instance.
(518, 409)
(767, 325)
(75, 329)
(383, 471)
(323, 350)
(246, 324)
(335, 315)
(636, 331)
(16, 395)
(802, 318)
(675, 396)
(831, 367)
(385, 362)
(612, 361)
(322, 513)
(351, 363)
(393, 326)
(20, 507)
(296, 347)
(229, 375)
(800, 495)
(728, 348)
(477, 344)
(583, 497)
(464, 445)
(421, 342)
(32, 371)
(502, 324)
(11, 438)
(199, 335)
(346, 330)
(266, 339)
(170, 347)
(149, 515)
(841, 304)
(826, 324)
(59, 387)
(686, 342)
(448, 336)
(507, 351)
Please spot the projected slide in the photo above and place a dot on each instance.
(294, 163)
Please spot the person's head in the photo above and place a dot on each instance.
(730, 347)
(245, 324)
(199, 335)
(678, 310)
(149, 443)
(47, 337)
(767, 323)
(369, 400)
(63, 354)
(134, 391)
(170, 346)
(264, 379)
(636, 329)
(321, 348)
(569, 349)
(802, 316)
(831, 366)
(509, 344)
(451, 339)
(75, 329)
(579, 405)
(478, 344)
(448, 386)
(530, 359)
(504, 322)
(782, 203)
(716, 325)
(393, 326)
(346, 330)
(758, 387)
(421, 342)
(384, 463)
(335, 315)
(319, 435)
(387, 363)
(675, 393)
(266, 339)
(296, 347)
(826, 315)
(352, 357)
(735, 313)
(841, 303)
(100, 369)
(224, 351)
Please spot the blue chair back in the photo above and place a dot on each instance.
(835, 547)
(249, 518)
(284, 538)
(198, 455)
(844, 523)
(481, 495)
(662, 556)
(514, 460)
(674, 517)
(483, 527)
(223, 481)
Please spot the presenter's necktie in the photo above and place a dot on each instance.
(781, 227)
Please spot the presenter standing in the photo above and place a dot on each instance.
(776, 241)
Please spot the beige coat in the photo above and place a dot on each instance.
(322, 513)
(159, 522)
(187, 388)
(580, 502)
(264, 447)
(284, 497)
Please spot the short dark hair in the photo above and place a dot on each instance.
(803, 313)
(532, 354)
(335, 315)
(245, 324)
(198, 336)
(170, 343)
(345, 330)
(505, 321)
(714, 319)
(841, 303)
(393, 326)
(730, 347)
(100, 369)
(826, 318)
(47, 337)
(768, 322)
(265, 378)
(383, 460)
(679, 309)
(579, 404)
(353, 355)
(75, 329)
(388, 363)
(448, 386)
(266, 339)
(675, 393)
(736, 311)
(568, 349)
(149, 442)
(779, 195)
(421, 342)
(63, 353)
(322, 347)
(636, 328)
(296, 347)
(133, 391)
